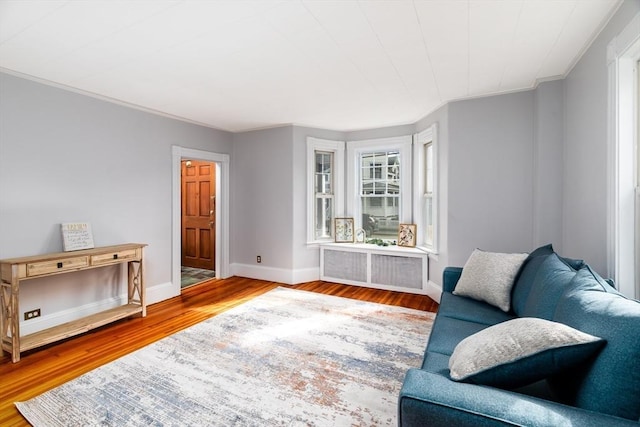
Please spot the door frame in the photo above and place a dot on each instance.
(222, 162)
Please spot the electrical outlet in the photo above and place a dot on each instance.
(258, 259)
(28, 315)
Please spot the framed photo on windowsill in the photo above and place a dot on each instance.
(407, 235)
(344, 230)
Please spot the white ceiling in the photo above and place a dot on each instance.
(342, 65)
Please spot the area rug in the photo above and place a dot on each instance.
(285, 358)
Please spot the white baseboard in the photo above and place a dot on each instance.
(154, 294)
(162, 292)
(293, 277)
(280, 275)
(434, 291)
(306, 275)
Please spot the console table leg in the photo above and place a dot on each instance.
(136, 286)
(9, 318)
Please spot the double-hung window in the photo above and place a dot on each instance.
(325, 160)
(426, 188)
(623, 55)
(379, 185)
(379, 193)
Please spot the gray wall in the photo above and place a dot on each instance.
(262, 198)
(490, 175)
(585, 150)
(67, 157)
(548, 155)
(387, 132)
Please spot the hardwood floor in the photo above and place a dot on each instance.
(46, 368)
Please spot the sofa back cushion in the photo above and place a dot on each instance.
(549, 284)
(524, 280)
(611, 382)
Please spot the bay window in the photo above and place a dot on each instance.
(385, 182)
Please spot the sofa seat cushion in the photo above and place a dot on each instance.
(464, 308)
(458, 317)
(447, 332)
(611, 384)
(519, 352)
(437, 363)
(489, 277)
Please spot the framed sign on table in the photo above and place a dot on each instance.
(76, 236)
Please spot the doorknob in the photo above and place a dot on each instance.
(211, 224)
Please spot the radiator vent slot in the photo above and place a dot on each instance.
(399, 271)
(345, 265)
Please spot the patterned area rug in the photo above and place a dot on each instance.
(286, 358)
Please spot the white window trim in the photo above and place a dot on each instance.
(429, 135)
(354, 149)
(622, 55)
(337, 148)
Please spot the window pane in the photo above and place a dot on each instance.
(324, 177)
(324, 217)
(428, 221)
(428, 162)
(380, 217)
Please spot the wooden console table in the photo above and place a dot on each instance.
(13, 271)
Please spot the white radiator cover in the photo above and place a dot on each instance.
(387, 267)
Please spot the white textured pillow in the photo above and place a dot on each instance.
(520, 351)
(489, 276)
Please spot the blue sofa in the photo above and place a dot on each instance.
(601, 391)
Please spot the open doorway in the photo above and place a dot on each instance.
(198, 221)
(223, 166)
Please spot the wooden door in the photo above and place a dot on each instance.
(198, 214)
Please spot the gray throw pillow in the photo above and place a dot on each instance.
(489, 277)
(519, 352)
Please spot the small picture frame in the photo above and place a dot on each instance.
(361, 235)
(407, 235)
(343, 230)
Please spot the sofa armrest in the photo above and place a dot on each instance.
(429, 399)
(450, 277)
